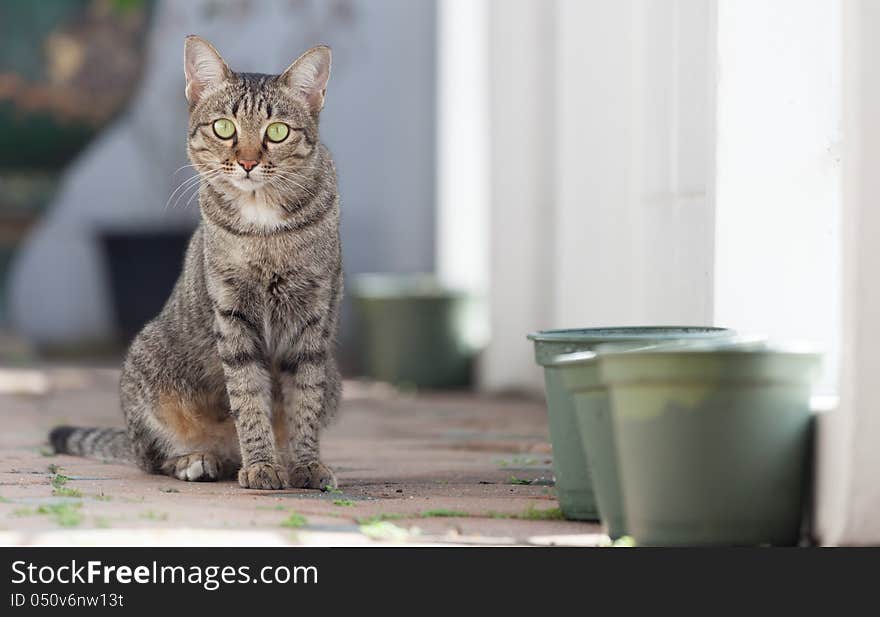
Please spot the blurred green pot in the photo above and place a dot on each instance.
(713, 441)
(592, 410)
(574, 484)
(415, 332)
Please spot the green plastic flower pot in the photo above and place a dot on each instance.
(574, 484)
(592, 411)
(713, 440)
(416, 332)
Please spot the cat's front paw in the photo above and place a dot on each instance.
(312, 475)
(264, 476)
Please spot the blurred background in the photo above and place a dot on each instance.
(95, 207)
(540, 163)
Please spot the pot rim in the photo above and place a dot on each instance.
(575, 358)
(623, 333)
(397, 286)
(734, 346)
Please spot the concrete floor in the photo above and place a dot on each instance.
(450, 468)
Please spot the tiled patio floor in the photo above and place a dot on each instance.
(450, 468)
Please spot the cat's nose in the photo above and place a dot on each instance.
(248, 165)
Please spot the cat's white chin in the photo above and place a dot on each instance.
(246, 184)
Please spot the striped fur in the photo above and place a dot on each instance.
(110, 444)
(236, 376)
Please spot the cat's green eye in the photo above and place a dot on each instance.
(277, 131)
(224, 128)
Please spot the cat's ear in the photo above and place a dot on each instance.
(203, 67)
(308, 76)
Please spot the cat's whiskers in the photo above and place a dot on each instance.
(195, 193)
(292, 180)
(176, 171)
(179, 187)
(203, 179)
(188, 184)
(284, 200)
(181, 190)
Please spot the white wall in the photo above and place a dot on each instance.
(601, 153)
(778, 171)
(633, 242)
(521, 95)
(690, 171)
(687, 173)
(463, 145)
(849, 457)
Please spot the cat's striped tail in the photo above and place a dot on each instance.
(104, 443)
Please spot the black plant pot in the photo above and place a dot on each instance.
(142, 267)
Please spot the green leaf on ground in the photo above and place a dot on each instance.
(295, 520)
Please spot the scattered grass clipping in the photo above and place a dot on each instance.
(384, 530)
(516, 461)
(65, 514)
(151, 515)
(295, 520)
(443, 513)
(58, 488)
(343, 502)
(531, 514)
(534, 514)
(382, 516)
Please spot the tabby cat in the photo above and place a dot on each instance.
(237, 372)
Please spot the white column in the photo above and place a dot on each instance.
(633, 239)
(521, 73)
(849, 457)
(602, 151)
(778, 170)
(463, 145)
